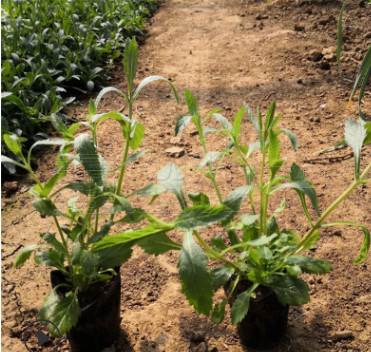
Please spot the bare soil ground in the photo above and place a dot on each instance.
(225, 52)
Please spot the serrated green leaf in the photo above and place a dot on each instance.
(104, 230)
(195, 276)
(25, 254)
(63, 312)
(310, 265)
(13, 144)
(58, 124)
(292, 138)
(224, 122)
(182, 123)
(364, 248)
(92, 108)
(290, 290)
(50, 258)
(199, 198)
(209, 158)
(218, 243)
(171, 179)
(115, 250)
(158, 244)
(221, 275)
(301, 186)
(274, 148)
(191, 103)
(241, 305)
(89, 158)
(237, 123)
(254, 121)
(236, 197)
(233, 238)
(50, 238)
(200, 216)
(46, 207)
(269, 117)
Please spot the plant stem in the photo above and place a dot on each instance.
(62, 238)
(212, 175)
(125, 156)
(334, 204)
(262, 228)
(217, 255)
(96, 220)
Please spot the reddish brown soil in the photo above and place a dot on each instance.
(225, 52)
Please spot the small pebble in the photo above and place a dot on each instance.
(340, 335)
(174, 152)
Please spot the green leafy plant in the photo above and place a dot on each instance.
(53, 50)
(75, 248)
(254, 248)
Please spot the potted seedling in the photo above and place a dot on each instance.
(85, 298)
(260, 264)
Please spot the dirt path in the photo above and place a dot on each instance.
(225, 52)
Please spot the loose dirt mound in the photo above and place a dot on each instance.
(226, 52)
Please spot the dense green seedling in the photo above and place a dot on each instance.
(74, 247)
(253, 247)
(52, 50)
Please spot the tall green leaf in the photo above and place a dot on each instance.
(254, 121)
(89, 157)
(131, 62)
(195, 276)
(269, 117)
(191, 103)
(237, 123)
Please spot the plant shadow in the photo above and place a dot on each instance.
(123, 343)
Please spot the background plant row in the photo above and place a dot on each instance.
(52, 50)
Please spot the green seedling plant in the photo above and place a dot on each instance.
(74, 248)
(254, 248)
(53, 50)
